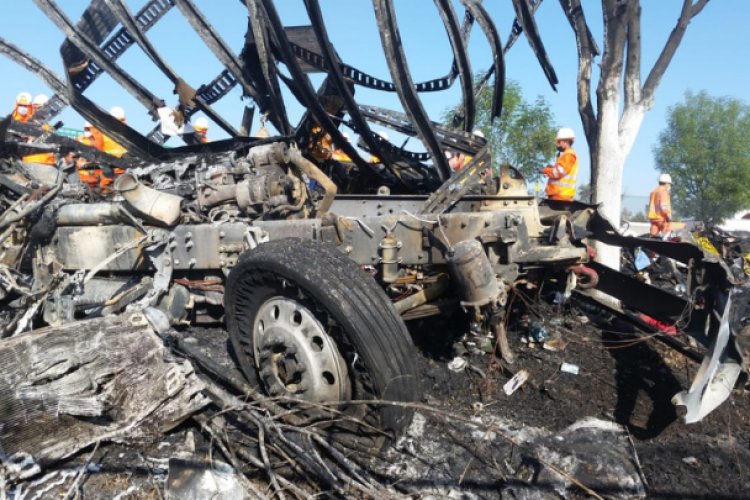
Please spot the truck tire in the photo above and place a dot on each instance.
(306, 322)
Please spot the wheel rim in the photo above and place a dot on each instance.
(294, 354)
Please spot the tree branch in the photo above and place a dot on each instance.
(697, 8)
(615, 13)
(587, 50)
(633, 56)
(615, 33)
(689, 10)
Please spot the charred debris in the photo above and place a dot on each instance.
(314, 265)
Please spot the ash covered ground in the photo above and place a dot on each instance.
(622, 379)
(558, 435)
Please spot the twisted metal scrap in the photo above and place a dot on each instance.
(93, 46)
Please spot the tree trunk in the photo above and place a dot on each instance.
(607, 186)
(607, 161)
(615, 138)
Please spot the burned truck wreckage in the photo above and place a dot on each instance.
(315, 264)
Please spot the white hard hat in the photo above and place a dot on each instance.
(24, 99)
(87, 125)
(40, 99)
(478, 133)
(201, 124)
(665, 179)
(117, 112)
(565, 133)
(383, 134)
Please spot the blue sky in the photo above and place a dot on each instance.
(712, 57)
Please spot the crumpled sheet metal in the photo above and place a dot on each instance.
(720, 368)
(715, 379)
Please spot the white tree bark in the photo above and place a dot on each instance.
(607, 182)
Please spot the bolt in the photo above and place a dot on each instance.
(166, 261)
(348, 249)
(177, 262)
(222, 234)
(192, 262)
(222, 263)
(222, 249)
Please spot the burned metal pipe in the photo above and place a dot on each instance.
(153, 205)
(423, 296)
(313, 172)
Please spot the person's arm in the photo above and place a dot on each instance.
(666, 206)
(560, 169)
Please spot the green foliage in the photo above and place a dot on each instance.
(525, 134)
(706, 149)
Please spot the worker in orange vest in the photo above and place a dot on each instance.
(562, 176)
(91, 137)
(23, 110)
(42, 158)
(110, 146)
(660, 207)
(201, 127)
(89, 173)
(39, 101)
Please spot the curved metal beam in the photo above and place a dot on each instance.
(525, 18)
(92, 51)
(496, 45)
(127, 20)
(334, 70)
(305, 88)
(32, 64)
(391, 40)
(222, 52)
(363, 79)
(448, 15)
(266, 61)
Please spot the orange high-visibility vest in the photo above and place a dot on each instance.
(96, 139)
(23, 118)
(562, 176)
(660, 204)
(110, 146)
